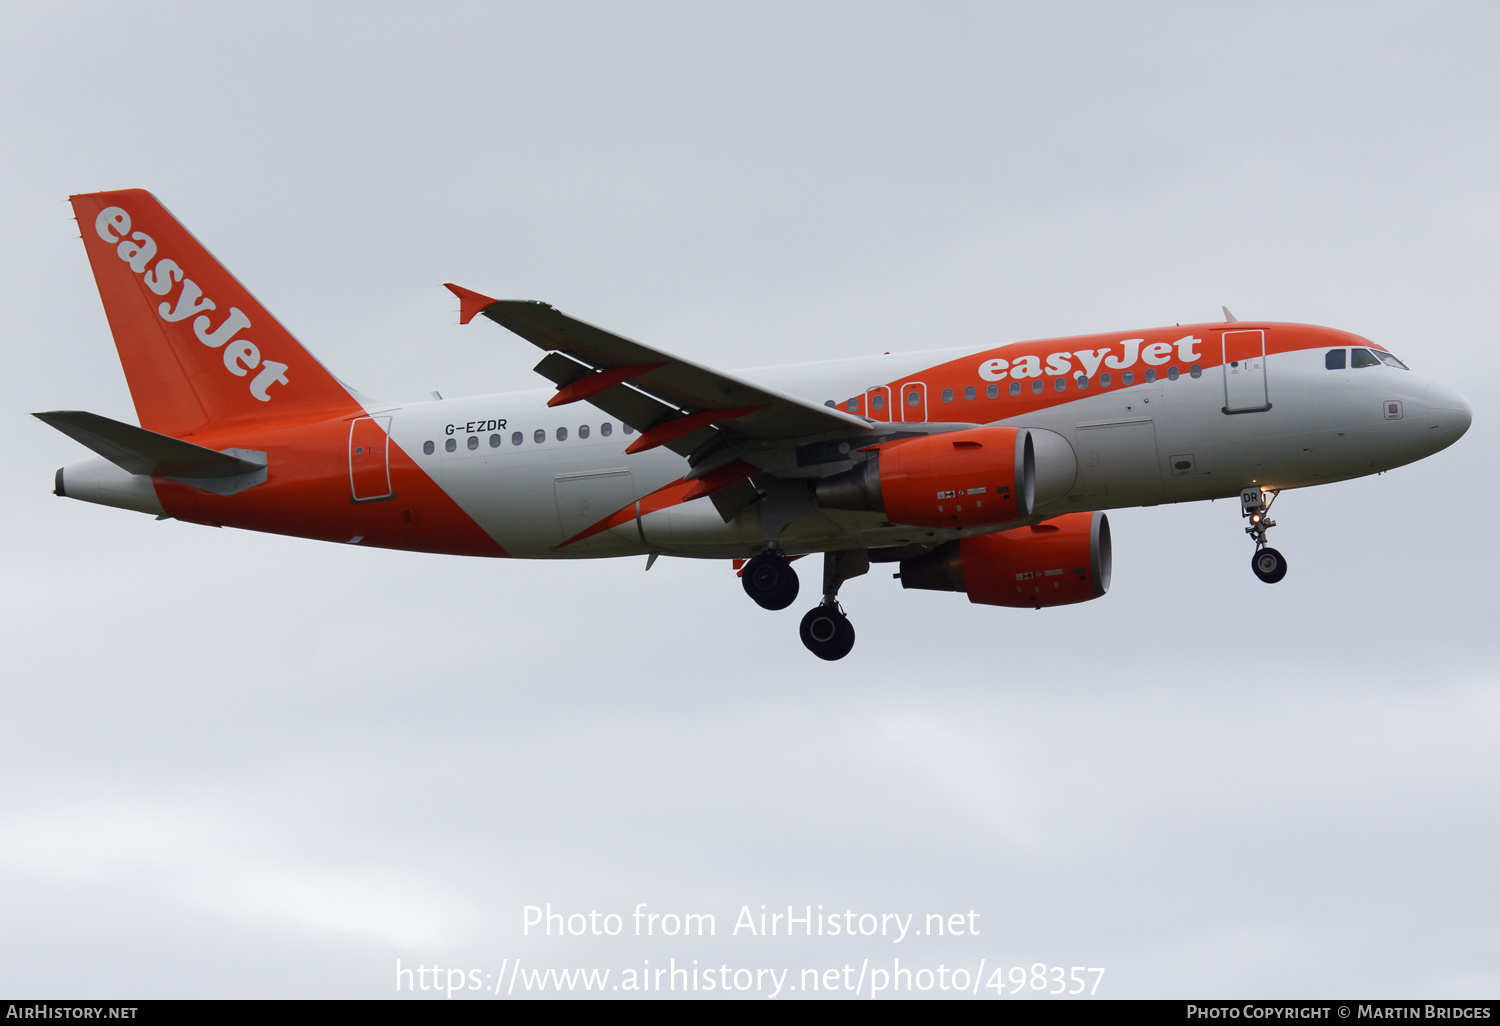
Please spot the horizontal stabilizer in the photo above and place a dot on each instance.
(138, 451)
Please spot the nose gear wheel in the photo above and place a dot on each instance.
(1269, 565)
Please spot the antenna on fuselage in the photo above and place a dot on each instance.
(1228, 317)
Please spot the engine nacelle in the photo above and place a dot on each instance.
(958, 479)
(1056, 563)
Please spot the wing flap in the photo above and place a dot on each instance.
(562, 370)
(629, 405)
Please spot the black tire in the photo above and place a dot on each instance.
(770, 581)
(1269, 565)
(827, 633)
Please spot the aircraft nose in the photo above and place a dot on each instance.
(1448, 416)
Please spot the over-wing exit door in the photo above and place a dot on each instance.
(1245, 371)
(914, 401)
(369, 459)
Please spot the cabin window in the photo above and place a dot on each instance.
(947, 396)
(427, 448)
(852, 405)
(451, 445)
(1195, 371)
(830, 404)
(583, 430)
(877, 402)
(1037, 386)
(1150, 375)
(494, 441)
(627, 429)
(1060, 384)
(1104, 380)
(539, 436)
(915, 398)
(473, 441)
(1082, 381)
(517, 438)
(1334, 359)
(1128, 378)
(969, 393)
(562, 434)
(993, 391)
(1015, 388)
(1172, 374)
(1362, 358)
(606, 429)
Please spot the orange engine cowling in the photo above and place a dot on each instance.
(959, 479)
(973, 477)
(1056, 563)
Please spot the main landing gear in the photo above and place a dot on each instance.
(770, 580)
(1267, 564)
(825, 630)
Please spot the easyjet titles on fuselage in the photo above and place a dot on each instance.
(1059, 364)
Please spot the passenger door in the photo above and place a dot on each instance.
(1245, 371)
(369, 459)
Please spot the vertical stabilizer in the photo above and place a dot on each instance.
(196, 346)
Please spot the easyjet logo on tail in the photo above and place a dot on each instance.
(241, 356)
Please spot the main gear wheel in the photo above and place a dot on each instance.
(827, 632)
(770, 581)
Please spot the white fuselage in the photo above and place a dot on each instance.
(528, 476)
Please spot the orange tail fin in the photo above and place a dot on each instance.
(196, 346)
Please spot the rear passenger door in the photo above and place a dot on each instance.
(369, 459)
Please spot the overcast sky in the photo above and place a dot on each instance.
(244, 765)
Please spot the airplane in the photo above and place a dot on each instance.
(983, 470)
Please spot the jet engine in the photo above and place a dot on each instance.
(1055, 563)
(958, 479)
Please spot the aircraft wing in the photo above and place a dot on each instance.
(672, 401)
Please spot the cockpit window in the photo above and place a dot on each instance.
(1335, 359)
(1362, 358)
(1389, 360)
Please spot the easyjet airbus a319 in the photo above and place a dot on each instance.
(983, 471)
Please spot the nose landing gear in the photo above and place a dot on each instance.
(1267, 564)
